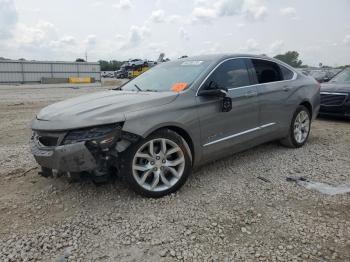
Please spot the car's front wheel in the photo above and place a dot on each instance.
(299, 130)
(158, 165)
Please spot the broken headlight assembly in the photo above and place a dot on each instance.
(103, 135)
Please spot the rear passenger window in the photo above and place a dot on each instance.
(267, 71)
(230, 74)
(286, 73)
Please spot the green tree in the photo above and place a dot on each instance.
(110, 65)
(343, 67)
(291, 58)
(79, 60)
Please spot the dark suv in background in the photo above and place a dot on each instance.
(335, 96)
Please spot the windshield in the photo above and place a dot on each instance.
(169, 76)
(342, 77)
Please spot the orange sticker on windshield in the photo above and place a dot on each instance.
(178, 87)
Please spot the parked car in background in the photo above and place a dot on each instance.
(137, 62)
(151, 63)
(121, 73)
(322, 75)
(335, 96)
(107, 74)
(173, 117)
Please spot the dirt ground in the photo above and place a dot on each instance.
(223, 213)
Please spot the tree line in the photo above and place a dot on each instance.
(112, 65)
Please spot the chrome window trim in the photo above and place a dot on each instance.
(243, 57)
(239, 134)
(333, 93)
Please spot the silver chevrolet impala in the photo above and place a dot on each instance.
(176, 116)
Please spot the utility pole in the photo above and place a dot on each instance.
(85, 56)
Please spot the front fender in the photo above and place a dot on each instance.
(181, 114)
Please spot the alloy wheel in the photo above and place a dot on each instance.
(301, 127)
(158, 164)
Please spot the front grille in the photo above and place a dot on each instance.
(333, 99)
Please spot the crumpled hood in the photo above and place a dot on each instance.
(97, 109)
(334, 87)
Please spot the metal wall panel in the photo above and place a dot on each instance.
(64, 75)
(33, 71)
(65, 67)
(35, 77)
(10, 77)
(10, 67)
(36, 67)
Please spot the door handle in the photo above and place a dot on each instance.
(251, 94)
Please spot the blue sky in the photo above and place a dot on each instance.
(120, 29)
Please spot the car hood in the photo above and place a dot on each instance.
(335, 87)
(97, 109)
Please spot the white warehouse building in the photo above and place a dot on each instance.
(18, 71)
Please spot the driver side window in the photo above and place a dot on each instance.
(230, 74)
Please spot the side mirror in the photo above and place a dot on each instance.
(222, 93)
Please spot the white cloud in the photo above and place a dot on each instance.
(158, 16)
(123, 4)
(251, 46)
(31, 9)
(157, 47)
(174, 19)
(8, 18)
(136, 36)
(203, 14)
(289, 12)
(276, 47)
(21, 35)
(183, 33)
(42, 40)
(96, 4)
(347, 40)
(39, 35)
(207, 11)
(200, 2)
(90, 42)
(255, 10)
(119, 37)
(229, 7)
(213, 47)
(65, 41)
(68, 40)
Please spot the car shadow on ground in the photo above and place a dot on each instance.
(336, 119)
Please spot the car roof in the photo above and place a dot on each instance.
(220, 57)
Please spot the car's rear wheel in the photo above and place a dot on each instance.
(299, 130)
(158, 165)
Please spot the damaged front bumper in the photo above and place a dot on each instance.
(92, 150)
(65, 158)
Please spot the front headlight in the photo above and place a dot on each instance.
(98, 134)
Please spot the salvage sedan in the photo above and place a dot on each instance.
(335, 96)
(176, 116)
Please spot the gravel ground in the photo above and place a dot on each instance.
(223, 213)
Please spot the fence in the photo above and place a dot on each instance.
(13, 71)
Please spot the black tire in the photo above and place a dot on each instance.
(290, 141)
(128, 156)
